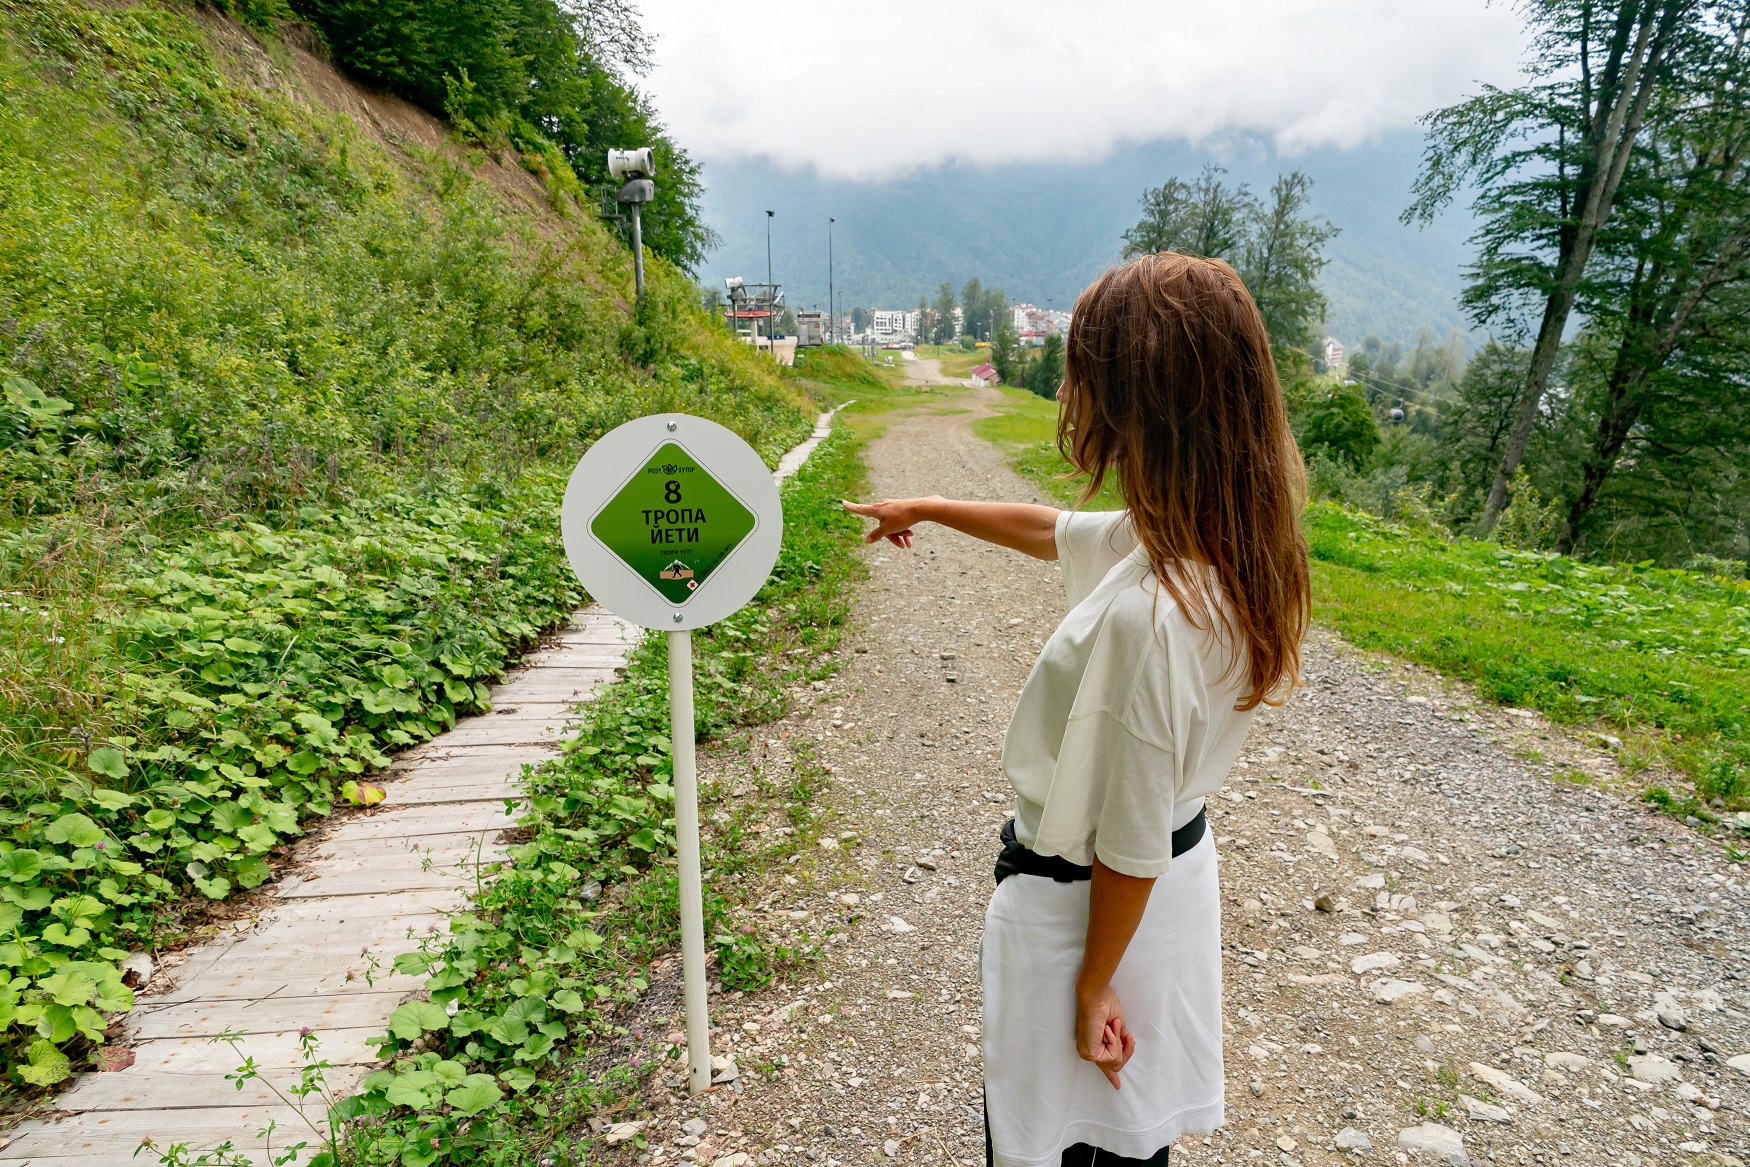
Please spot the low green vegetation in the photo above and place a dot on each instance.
(1025, 428)
(494, 1065)
(1657, 658)
(285, 415)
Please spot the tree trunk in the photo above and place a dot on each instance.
(1620, 416)
(1621, 113)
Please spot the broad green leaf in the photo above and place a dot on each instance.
(47, 1065)
(242, 645)
(568, 1001)
(61, 934)
(113, 799)
(11, 915)
(21, 865)
(74, 829)
(304, 762)
(213, 889)
(450, 1073)
(108, 761)
(410, 1089)
(251, 871)
(69, 988)
(518, 1078)
(415, 1018)
(475, 1094)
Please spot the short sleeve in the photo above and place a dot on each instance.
(1090, 544)
(1135, 799)
(1117, 768)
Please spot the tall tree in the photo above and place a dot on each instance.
(1280, 261)
(544, 78)
(1277, 247)
(972, 305)
(1548, 159)
(942, 315)
(1678, 271)
(1206, 217)
(1044, 373)
(1005, 354)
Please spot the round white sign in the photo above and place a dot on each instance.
(671, 522)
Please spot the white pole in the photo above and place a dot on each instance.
(686, 829)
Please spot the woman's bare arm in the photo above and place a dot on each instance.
(1115, 905)
(1018, 526)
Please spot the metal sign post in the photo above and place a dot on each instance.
(673, 522)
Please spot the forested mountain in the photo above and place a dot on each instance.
(1042, 231)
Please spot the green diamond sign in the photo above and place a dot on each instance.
(672, 523)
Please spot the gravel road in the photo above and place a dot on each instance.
(1434, 951)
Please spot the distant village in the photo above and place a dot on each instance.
(897, 327)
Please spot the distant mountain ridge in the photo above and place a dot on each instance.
(1042, 231)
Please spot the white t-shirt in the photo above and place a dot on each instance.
(1125, 723)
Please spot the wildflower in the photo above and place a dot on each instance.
(306, 1031)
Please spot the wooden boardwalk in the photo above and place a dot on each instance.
(366, 889)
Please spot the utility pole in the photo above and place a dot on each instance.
(829, 300)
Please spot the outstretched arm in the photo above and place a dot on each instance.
(1018, 526)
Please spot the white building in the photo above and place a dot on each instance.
(888, 322)
(1334, 359)
(1020, 314)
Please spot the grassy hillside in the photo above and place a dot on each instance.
(1658, 659)
(289, 395)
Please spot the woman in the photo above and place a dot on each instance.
(1101, 957)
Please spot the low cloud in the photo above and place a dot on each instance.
(870, 91)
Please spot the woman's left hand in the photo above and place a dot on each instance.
(1101, 1035)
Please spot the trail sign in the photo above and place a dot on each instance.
(673, 522)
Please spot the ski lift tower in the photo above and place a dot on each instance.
(751, 305)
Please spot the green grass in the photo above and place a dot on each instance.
(1658, 658)
(1025, 429)
(284, 421)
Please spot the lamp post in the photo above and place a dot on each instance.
(833, 331)
(635, 168)
(771, 297)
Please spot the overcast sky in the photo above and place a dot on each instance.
(870, 90)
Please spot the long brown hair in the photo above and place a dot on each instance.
(1170, 386)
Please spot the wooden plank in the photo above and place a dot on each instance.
(278, 1052)
(441, 818)
(439, 765)
(84, 1137)
(299, 969)
(273, 1015)
(438, 793)
(365, 881)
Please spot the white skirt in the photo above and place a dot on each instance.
(1040, 1096)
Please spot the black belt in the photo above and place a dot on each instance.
(1019, 860)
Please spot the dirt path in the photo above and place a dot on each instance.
(1446, 937)
(928, 371)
